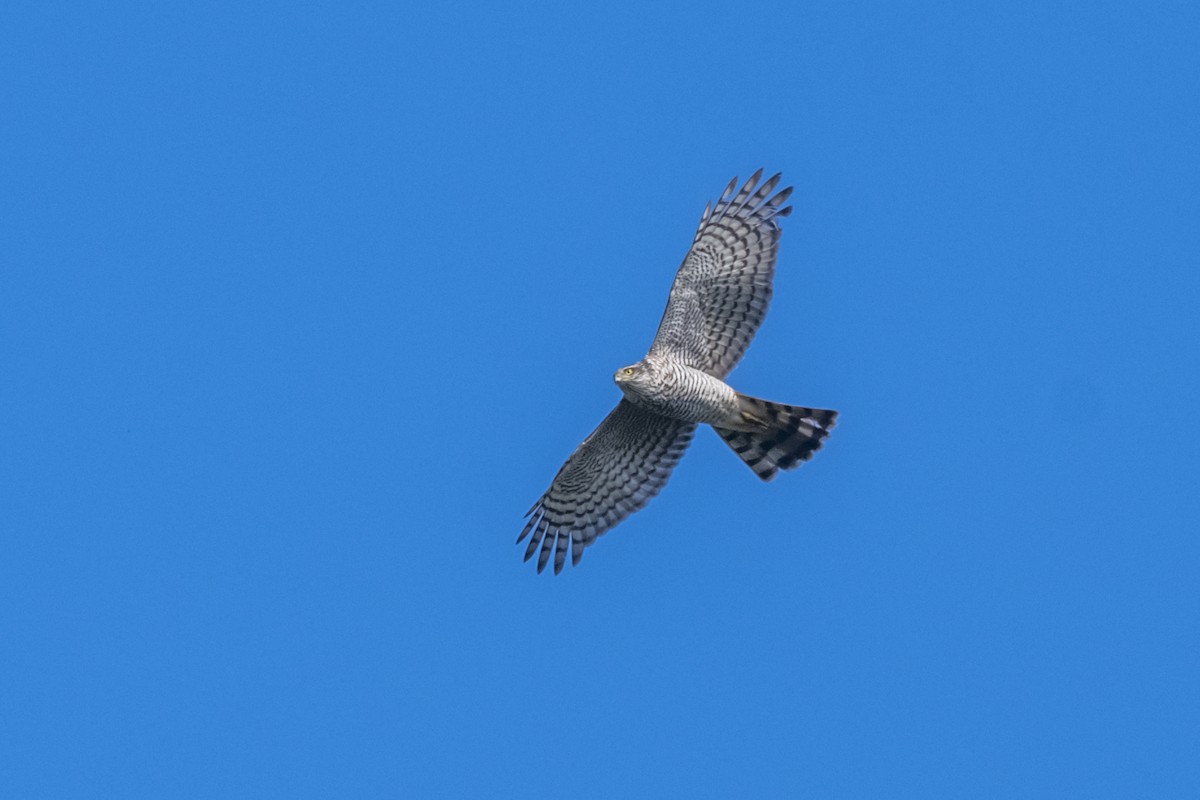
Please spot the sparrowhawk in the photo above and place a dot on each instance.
(717, 302)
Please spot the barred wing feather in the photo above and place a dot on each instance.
(615, 472)
(722, 289)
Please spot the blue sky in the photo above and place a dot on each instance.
(302, 307)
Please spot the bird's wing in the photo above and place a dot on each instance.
(722, 289)
(617, 469)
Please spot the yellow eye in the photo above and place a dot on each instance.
(628, 370)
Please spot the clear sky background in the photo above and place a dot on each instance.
(302, 307)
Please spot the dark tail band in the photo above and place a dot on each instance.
(791, 435)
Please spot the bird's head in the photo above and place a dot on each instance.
(631, 378)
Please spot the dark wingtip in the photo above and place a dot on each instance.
(525, 531)
(547, 547)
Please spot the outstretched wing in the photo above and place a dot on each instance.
(721, 291)
(617, 469)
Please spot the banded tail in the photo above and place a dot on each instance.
(782, 436)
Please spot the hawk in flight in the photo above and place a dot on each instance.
(717, 302)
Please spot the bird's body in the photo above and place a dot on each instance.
(667, 387)
(717, 302)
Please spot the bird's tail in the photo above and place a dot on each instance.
(780, 436)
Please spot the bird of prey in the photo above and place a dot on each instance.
(717, 302)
